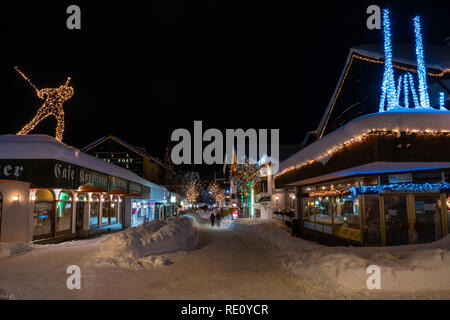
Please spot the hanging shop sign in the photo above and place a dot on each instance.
(400, 178)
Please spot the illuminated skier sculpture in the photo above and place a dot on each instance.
(53, 105)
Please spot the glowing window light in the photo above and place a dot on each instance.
(442, 101)
(388, 85)
(423, 89)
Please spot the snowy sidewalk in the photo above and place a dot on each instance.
(244, 260)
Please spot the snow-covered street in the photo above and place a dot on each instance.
(236, 261)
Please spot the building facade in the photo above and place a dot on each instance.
(48, 189)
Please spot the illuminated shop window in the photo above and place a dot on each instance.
(43, 213)
(64, 211)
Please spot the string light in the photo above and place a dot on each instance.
(405, 90)
(359, 138)
(413, 90)
(53, 101)
(423, 89)
(442, 101)
(388, 85)
(402, 187)
(330, 193)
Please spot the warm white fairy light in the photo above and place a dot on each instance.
(53, 101)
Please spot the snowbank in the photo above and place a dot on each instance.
(143, 246)
(403, 268)
(8, 249)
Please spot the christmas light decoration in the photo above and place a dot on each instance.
(413, 90)
(442, 101)
(359, 138)
(402, 187)
(405, 90)
(423, 89)
(330, 193)
(388, 86)
(53, 101)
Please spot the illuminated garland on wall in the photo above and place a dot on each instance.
(403, 187)
(360, 138)
(53, 101)
(329, 193)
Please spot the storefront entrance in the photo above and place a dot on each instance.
(396, 220)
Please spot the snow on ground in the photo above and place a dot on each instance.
(186, 258)
(13, 248)
(144, 245)
(410, 268)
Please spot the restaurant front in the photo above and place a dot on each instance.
(49, 189)
(369, 213)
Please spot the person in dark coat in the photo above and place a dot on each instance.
(212, 217)
(218, 217)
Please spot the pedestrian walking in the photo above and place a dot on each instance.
(212, 217)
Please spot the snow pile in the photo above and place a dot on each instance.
(143, 246)
(403, 268)
(8, 249)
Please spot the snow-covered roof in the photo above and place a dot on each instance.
(133, 148)
(436, 57)
(40, 146)
(399, 119)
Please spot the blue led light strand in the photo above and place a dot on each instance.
(405, 90)
(423, 89)
(442, 101)
(388, 86)
(413, 91)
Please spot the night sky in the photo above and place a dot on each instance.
(141, 69)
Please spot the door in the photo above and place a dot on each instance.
(80, 215)
(371, 219)
(396, 219)
(428, 226)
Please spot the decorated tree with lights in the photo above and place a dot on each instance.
(244, 177)
(191, 186)
(217, 193)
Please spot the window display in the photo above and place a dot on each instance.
(428, 227)
(64, 212)
(94, 209)
(105, 210)
(43, 213)
(396, 220)
(372, 223)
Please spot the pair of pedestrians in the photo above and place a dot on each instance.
(215, 218)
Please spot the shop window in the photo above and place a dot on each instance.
(105, 210)
(64, 211)
(346, 212)
(369, 181)
(307, 189)
(396, 220)
(94, 209)
(372, 224)
(323, 210)
(114, 209)
(82, 197)
(308, 213)
(43, 213)
(428, 227)
(344, 184)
